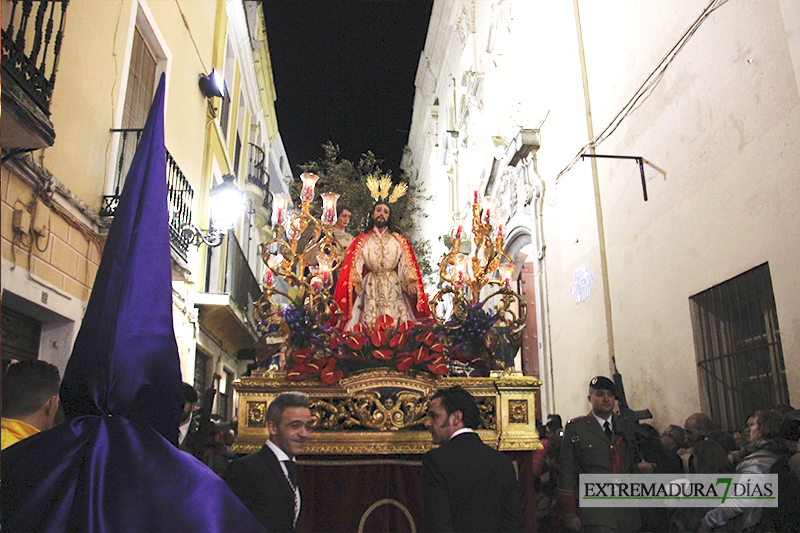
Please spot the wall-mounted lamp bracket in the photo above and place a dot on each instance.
(638, 159)
(197, 236)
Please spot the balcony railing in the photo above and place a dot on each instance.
(30, 52)
(257, 174)
(179, 192)
(240, 282)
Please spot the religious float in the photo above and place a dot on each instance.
(370, 386)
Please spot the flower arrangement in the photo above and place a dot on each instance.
(401, 346)
(468, 336)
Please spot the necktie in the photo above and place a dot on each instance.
(291, 469)
(607, 428)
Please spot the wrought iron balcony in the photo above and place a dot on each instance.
(31, 43)
(256, 173)
(179, 192)
(226, 308)
(27, 55)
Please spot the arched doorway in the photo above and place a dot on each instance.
(521, 250)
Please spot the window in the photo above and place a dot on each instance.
(21, 335)
(200, 373)
(138, 97)
(225, 397)
(738, 347)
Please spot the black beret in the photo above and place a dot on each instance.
(603, 383)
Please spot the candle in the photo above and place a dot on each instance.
(461, 268)
(329, 208)
(279, 203)
(309, 181)
(488, 204)
(506, 273)
(460, 229)
(270, 279)
(500, 227)
(325, 267)
(475, 188)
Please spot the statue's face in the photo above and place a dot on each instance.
(343, 220)
(380, 215)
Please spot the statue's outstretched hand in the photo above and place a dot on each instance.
(411, 289)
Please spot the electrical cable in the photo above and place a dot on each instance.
(646, 88)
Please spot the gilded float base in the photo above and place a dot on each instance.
(382, 412)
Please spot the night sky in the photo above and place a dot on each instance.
(344, 71)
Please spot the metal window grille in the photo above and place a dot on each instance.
(738, 347)
(200, 373)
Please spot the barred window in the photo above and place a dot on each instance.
(738, 347)
(200, 373)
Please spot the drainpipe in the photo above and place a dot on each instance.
(601, 237)
(542, 309)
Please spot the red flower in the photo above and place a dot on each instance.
(297, 373)
(399, 340)
(437, 347)
(330, 376)
(421, 355)
(438, 366)
(379, 338)
(426, 337)
(405, 362)
(301, 356)
(355, 342)
(383, 323)
(383, 354)
(406, 326)
(335, 342)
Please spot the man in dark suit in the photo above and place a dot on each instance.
(266, 481)
(468, 486)
(593, 444)
(188, 426)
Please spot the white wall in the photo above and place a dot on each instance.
(721, 123)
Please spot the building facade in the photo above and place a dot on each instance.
(643, 152)
(66, 149)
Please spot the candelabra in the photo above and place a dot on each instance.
(473, 282)
(299, 236)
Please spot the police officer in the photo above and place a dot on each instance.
(594, 444)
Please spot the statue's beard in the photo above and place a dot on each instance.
(380, 223)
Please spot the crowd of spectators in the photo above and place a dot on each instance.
(767, 443)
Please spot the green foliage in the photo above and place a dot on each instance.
(337, 174)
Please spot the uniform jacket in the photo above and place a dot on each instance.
(585, 449)
(259, 482)
(469, 486)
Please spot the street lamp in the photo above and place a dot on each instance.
(226, 202)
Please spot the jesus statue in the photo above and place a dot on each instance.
(380, 275)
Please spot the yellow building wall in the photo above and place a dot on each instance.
(65, 258)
